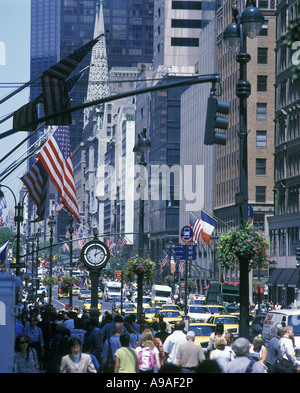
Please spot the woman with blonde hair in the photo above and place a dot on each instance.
(221, 354)
(148, 354)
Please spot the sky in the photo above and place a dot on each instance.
(14, 68)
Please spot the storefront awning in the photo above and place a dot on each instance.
(273, 277)
(288, 277)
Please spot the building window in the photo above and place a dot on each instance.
(186, 5)
(264, 29)
(262, 82)
(260, 194)
(189, 23)
(184, 41)
(261, 111)
(261, 138)
(262, 55)
(282, 241)
(263, 4)
(261, 166)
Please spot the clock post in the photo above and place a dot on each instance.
(95, 255)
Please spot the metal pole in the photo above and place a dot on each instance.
(71, 261)
(50, 272)
(185, 279)
(243, 90)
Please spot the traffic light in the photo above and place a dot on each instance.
(213, 121)
(298, 253)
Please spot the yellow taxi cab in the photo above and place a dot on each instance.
(75, 291)
(172, 307)
(203, 332)
(150, 313)
(170, 316)
(230, 322)
(86, 306)
(216, 309)
(127, 307)
(100, 294)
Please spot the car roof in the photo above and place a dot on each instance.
(285, 311)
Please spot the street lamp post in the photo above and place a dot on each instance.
(248, 23)
(51, 224)
(37, 235)
(140, 149)
(18, 220)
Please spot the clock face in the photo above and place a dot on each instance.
(95, 254)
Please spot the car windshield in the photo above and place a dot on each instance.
(110, 289)
(128, 306)
(202, 330)
(226, 320)
(197, 309)
(216, 309)
(85, 291)
(294, 321)
(170, 307)
(171, 314)
(151, 310)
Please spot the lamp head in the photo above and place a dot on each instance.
(252, 20)
(231, 36)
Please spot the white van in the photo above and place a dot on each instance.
(112, 289)
(282, 317)
(161, 293)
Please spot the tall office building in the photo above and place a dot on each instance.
(260, 112)
(284, 225)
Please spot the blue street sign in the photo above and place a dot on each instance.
(186, 233)
(180, 252)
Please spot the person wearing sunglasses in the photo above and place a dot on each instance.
(25, 359)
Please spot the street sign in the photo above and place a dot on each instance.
(180, 252)
(118, 273)
(186, 234)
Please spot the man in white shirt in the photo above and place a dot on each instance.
(286, 346)
(173, 341)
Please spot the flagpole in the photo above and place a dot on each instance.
(17, 91)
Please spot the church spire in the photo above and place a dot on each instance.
(98, 74)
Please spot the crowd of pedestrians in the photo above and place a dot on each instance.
(63, 341)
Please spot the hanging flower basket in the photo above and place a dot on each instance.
(242, 243)
(139, 266)
(70, 281)
(169, 278)
(50, 280)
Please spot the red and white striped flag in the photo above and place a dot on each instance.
(181, 266)
(196, 224)
(164, 261)
(56, 158)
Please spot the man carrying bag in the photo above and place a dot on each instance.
(286, 361)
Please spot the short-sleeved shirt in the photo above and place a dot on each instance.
(190, 354)
(128, 359)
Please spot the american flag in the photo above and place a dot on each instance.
(57, 160)
(164, 261)
(196, 224)
(24, 115)
(36, 183)
(3, 204)
(55, 99)
(55, 87)
(121, 242)
(65, 67)
(181, 265)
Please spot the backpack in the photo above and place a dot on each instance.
(146, 359)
